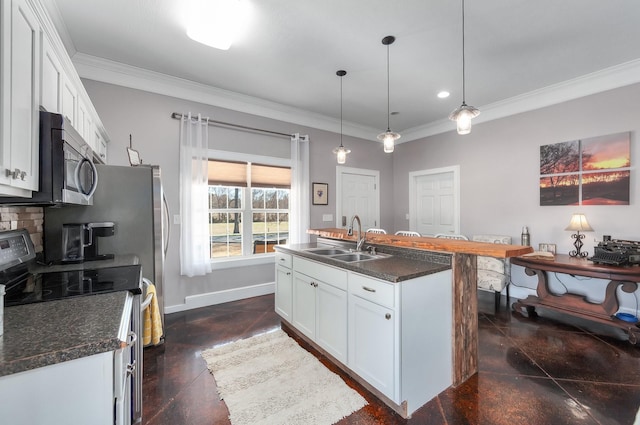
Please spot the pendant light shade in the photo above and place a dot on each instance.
(464, 113)
(341, 152)
(389, 137)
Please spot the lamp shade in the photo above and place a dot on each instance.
(579, 223)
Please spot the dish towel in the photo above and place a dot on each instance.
(152, 323)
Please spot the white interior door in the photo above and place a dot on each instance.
(434, 201)
(357, 193)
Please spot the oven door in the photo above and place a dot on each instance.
(80, 177)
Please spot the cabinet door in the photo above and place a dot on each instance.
(51, 87)
(304, 304)
(21, 94)
(69, 100)
(372, 344)
(331, 321)
(284, 292)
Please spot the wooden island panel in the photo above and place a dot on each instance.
(430, 244)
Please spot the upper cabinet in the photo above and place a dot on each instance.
(20, 93)
(35, 72)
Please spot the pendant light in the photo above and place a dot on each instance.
(389, 137)
(464, 113)
(341, 152)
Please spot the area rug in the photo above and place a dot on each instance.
(270, 380)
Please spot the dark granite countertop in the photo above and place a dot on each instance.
(41, 334)
(403, 264)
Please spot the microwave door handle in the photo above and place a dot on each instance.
(94, 171)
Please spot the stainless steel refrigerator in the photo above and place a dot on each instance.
(132, 198)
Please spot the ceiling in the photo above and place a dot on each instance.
(520, 54)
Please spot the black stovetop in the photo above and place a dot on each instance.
(40, 287)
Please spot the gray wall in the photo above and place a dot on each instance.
(147, 117)
(499, 173)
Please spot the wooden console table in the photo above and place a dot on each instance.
(625, 277)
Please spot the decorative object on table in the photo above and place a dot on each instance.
(524, 237)
(593, 171)
(463, 114)
(547, 247)
(320, 194)
(134, 156)
(389, 137)
(341, 152)
(270, 379)
(579, 224)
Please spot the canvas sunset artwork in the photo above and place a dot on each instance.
(593, 171)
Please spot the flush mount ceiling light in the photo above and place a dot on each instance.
(388, 137)
(217, 23)
(341, 151)
(464, 113)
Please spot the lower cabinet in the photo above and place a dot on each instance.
(395, 336)
(284, 286)
(320, 305)
(76, 392)
(372, 343)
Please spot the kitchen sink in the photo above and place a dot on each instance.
(328, 251)
(354, 256)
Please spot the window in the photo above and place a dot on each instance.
(248, 208)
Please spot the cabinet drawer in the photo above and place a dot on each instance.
(283, 259)
(374, 290)
(327, 274)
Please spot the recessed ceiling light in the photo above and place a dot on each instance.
(443, 94)
(217, 23)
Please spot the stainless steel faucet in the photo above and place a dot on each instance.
(361, 236)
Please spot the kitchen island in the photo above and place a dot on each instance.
(432, 303)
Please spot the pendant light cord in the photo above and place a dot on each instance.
(463, 75)
(341, 111)
(388, 91)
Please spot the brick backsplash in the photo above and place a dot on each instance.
(30, 218)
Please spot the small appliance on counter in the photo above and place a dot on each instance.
(80, 241)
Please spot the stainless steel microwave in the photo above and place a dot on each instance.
(67, 172)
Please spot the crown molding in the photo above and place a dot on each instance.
(607, 79)
(106, 71)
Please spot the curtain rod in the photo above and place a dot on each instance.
(177, 116)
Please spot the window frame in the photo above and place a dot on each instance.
(245, 259)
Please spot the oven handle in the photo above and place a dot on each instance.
(145, 284)
(132, 338)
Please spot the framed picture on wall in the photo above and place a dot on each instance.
(320, 194)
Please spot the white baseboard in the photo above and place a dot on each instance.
(219, 297)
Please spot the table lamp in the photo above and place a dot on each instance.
(578, 224)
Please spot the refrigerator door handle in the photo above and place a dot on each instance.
(166, 224)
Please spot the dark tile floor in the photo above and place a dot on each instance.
(550, 370)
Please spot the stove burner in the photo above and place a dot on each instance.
(57, 285)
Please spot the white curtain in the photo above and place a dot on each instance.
(194, 188)
(299, 215)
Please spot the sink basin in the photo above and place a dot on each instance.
(328, 251)
(348, 258)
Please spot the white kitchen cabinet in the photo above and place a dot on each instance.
(284, 286)
(76, 392)
(400, 335)
(81, 124)
(304, 304)
(320, 305)
(373, 338)
(20, 38)
(69, 99)
(51, 87)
